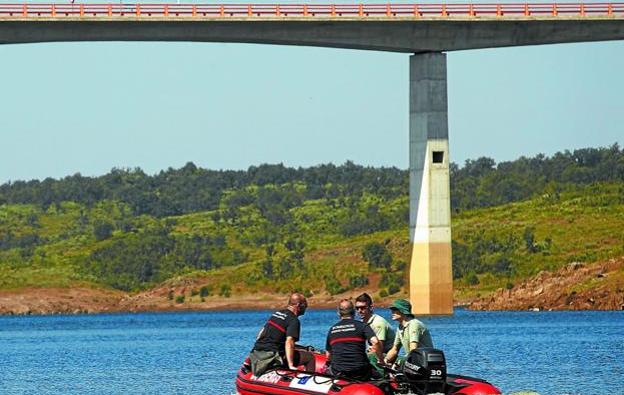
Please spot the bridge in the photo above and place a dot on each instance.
(410, 28)
(426, 31)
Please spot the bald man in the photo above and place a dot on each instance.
(346, 345)
(275, 343)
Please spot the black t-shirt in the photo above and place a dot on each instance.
(346, 341)
(281, 324)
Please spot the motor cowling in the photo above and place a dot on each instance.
(425, 371)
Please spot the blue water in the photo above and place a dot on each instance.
(198, 353)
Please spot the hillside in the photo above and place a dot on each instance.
(262, 239)
(577, 286)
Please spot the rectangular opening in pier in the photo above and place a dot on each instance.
(438, 156)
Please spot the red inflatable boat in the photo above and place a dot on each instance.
(423, 373)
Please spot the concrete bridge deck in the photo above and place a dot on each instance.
(410, 28)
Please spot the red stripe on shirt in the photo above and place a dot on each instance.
(347, 339)
(279, 327)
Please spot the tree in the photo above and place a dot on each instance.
(295, 253)
(102, 230)
(333, 286)
(204, 291)
(267, 264)
(472, 278)
(358, 281)
(529, 239)
(225, 291)
(377, 256)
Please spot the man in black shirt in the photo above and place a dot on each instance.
(346, 345)
(275, 343)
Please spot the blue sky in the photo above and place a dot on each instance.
(89, 107)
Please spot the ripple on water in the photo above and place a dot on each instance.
(552, 353)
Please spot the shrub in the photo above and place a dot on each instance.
(392, 280)
(179, 299)
(102, 230)
(194, 292)
(383, 293)
(358, 281)
(333, 286)
(33, 220)
(170, 294)
(364, 221)
(392, 289)
(225, 291)
(472, 278)
(205, 291)
(400, 266)
(529, 239)
(377, 255)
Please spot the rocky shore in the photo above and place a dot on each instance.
(47, 301)
(578, 286)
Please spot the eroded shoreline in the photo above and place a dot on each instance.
(577, 286)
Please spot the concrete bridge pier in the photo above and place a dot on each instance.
(431, 277)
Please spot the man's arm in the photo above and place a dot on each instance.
(380, 332)
(290, 352)
(414, 332)
(293, 328)
(392, 354)
(381, 344)
(394, 351)
(328, 346)
(377, 349)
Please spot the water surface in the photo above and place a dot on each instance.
(198, 353)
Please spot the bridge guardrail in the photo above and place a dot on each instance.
(451, 10)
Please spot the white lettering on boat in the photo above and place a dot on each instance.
(270, 377)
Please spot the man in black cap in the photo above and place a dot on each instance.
(275, 343)
(346, 345)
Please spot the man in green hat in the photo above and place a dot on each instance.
(410, 334)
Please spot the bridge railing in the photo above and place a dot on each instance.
(463, 10)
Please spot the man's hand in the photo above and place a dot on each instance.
(375, 347)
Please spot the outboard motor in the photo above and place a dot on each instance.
(425, 371)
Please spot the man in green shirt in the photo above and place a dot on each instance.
(379, 325)
(411, 333)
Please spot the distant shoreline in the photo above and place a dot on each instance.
(546, 291)
(75, 301)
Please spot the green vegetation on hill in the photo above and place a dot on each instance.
(500, 245)
(322, 229)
